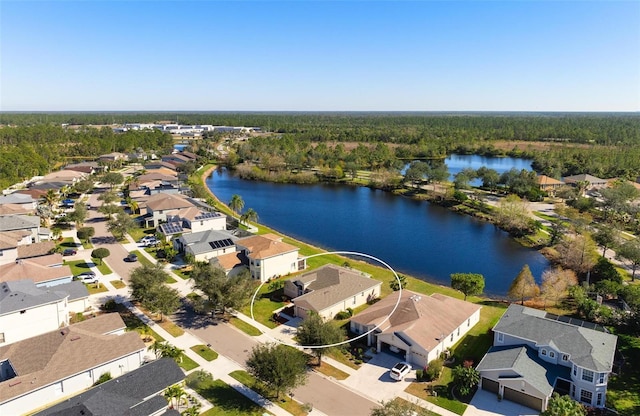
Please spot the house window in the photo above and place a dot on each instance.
(500, 337)
(1, 337)
(552, 354)
(573, 390)
(565, 357)
(354, 300)
(469, 322)
(586, 396)
(587, 375)
(23, 311)
(599, 399)
(458, 334)
(543, 352)
(601, 378)
(451, 337)
(575, 370)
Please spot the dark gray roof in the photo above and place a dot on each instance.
(206, 241)
(76, 290)
(524, 361)
(18, 222)
(23, 294)
(587, 348)
(124, 395)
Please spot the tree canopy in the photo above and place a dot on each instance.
(315, 332)
(279, 367)
(468, 283)
(523, 286)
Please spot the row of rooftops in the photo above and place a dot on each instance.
(592, 181)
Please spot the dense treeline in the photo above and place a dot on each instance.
(397, 127)
(35, 150)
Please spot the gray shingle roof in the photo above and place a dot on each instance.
(124, 395)
(204, 241)
(587, 348)
(332, 284)
(75, 290)
(524, 361)
(18, 222)
(16, 199)
(23, 294)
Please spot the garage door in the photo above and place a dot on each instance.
(490, 385)
(522, 398)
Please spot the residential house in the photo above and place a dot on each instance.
(159, 164)
(269, 257)
(9, 243)
(46, 270)
(591, 181)
(113, 157)
(85, 167)
(330, 289)
(67, 176)
(548, 184)
(176, 159)
(205, 245)
(160, 206)
(417, 326)
(231, 263)
(27, 310)
(138, 392)
(14, 209)
(26, 202)
(535, 353)
(22, 223)
(47, 368)
(43, 248)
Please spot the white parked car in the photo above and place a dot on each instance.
(400, 371)
(149, 241)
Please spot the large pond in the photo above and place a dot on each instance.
(414, 237)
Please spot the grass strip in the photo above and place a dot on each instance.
(205, 352)
(186, 363)
(227, 401)
(245, 327)
(118, 284)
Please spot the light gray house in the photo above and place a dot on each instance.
(535, 353)
(205, 245)
(29, 223)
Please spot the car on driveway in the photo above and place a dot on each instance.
(149, 241)
(69, 252)
(400, 371)
(87, 277)
(131, 258)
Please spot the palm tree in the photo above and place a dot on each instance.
(250, 215)
(50, 198)
(176, 393)
(236, 204)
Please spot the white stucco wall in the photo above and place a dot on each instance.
(35, 321)
(211, 254)
(279, 265)
(79, 305)
(69, 386)
(217, 223)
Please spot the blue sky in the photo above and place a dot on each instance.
(320, 55)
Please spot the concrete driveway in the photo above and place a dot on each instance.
(372, 378)
(485, 403)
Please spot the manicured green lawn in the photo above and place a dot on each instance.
(205, 352)
(187, 364)
(78, 266)
(227, 401)
(93, 289)
(263, 306)
(138, 233)
(285, 402)
(118, 284)
(67, 242)
(102, 266)
(245, 327)
(623, 393)
(134, 323)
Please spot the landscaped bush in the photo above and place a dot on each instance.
(109, 305)
(342, 315)
(433, 370)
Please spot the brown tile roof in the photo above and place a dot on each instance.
(64, 174)
(10, 239)
(10, 209)
(163, 171)
(545, 180)
(188, 154)
(35, 193)
(230, 260)
(155, 176)
(330, 285)
(45, 359)
(36, 249)
(422, 318)
(37, 269)
(162, 201)
(265, 246)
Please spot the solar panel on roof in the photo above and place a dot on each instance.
(171, 228)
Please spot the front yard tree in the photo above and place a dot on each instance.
(250, 215)
(468, 283)
(108, 197)
(79, 214)
(85, 233)
(577, 253)
(121, 225)
(112, 178)
(222, 291)
(110, 210)
(465, 379)
(563, 406)
(163, 300)
(279, 367)
(399, 283)
(630, 253)
(315, 332)
(100, 253)
(523, 286)
(606, 237)
(145, 279)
